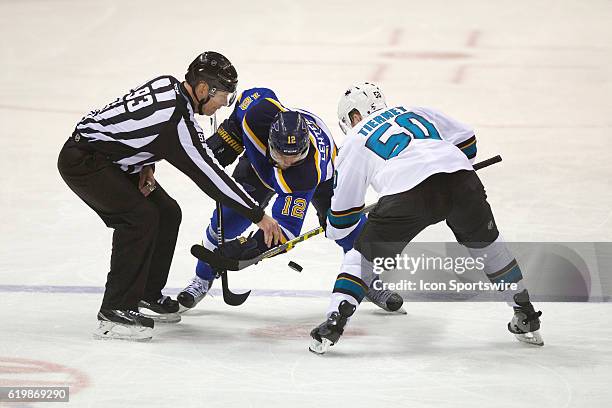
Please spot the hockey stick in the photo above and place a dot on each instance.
(230, 298)
(235, 265)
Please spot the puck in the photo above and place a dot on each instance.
(295, 266)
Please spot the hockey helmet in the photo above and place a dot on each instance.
(364, 97)
(288, 137)
(217, 71)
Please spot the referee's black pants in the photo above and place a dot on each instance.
(459, 198)
(146, 228)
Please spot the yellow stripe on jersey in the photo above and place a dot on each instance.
(348, 212)
(258, 144)
(468, 145)
(334, 154)
(261, 179)
(277, 104)
(317, 158)
(345, 218)
(352, 280)
(281, 180)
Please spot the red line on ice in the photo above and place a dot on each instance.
(77, 381)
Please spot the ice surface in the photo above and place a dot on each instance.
(532, 78)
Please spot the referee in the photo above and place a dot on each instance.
(109, 163)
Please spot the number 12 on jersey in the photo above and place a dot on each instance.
(416, 126)
(298, 208)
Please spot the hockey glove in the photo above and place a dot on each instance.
(226, 142)
(240, 248)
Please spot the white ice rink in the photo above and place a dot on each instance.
(533, 78)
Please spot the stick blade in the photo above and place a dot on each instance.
(236, 299)
(231, 298)
(215, 260)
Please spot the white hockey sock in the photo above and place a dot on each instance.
(348, 286)
(500, 266)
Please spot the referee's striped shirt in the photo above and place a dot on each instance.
(155, 122)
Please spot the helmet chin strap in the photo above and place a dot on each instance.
(201, 102)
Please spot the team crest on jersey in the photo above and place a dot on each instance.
(248, 100)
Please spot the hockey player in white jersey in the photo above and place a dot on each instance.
(420, 162)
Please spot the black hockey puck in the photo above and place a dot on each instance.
(295, 266)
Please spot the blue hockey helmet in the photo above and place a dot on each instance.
(288, 137)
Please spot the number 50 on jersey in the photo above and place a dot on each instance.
(413, 126)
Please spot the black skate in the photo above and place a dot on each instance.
(123, 325)
(525, 323)
(385, 299)
(194, 292)
(328, 333)
(162, 310)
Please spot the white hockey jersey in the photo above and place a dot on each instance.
(393, 150)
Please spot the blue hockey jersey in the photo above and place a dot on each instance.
(254, 112)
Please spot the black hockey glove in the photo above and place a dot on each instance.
(240, 248)
(226, 143)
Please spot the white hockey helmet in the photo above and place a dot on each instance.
(365, 97)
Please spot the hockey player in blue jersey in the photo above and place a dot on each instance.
(284, 152)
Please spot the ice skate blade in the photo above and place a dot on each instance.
(161, 318)
(107, 338)
(113, 331)
(533, 338)
(400, 311)
(183, 309)
(320, 348)
(383, 311)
